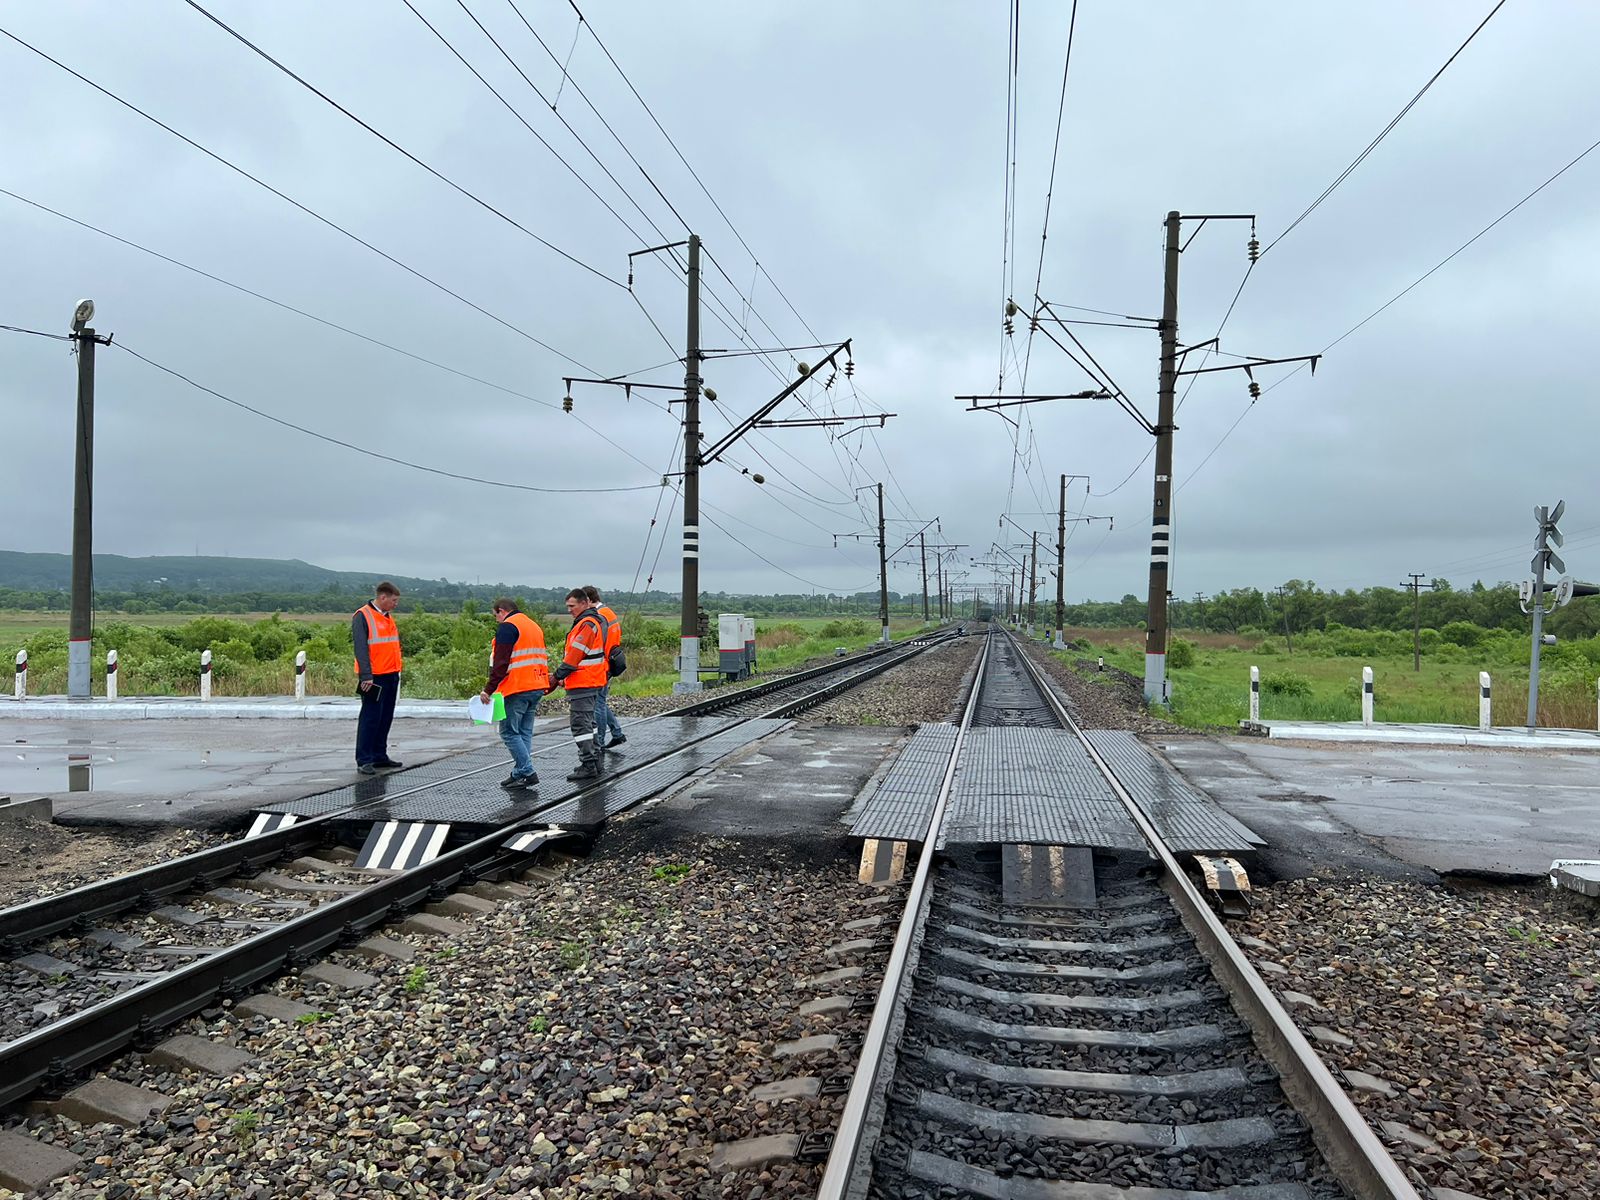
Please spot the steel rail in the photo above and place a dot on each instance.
(83, 1038)
(848, 1167)
(78, 1041)
(1353, 1151)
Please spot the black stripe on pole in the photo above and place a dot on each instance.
(111, 667)
(299, 668)
(1483, 693)
(205, 668)
(1367, 688)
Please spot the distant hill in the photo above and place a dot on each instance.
(186, 573)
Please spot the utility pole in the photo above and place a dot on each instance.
(1059, 642)
(81, 631)
(1156, 690)
(1033, 582)
(1283, 603)
(1416, 585)
(1200, 603)
(883, 572)
(689, 626)
(922, 542)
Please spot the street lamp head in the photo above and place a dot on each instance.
(759, 478)
(710, 394)
(82, 315)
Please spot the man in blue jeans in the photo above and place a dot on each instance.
(607, 729)
(520, 671)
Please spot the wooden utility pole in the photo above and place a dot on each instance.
(1283, 603)
(1416, 585)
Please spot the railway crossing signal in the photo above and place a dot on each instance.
(1532, 592)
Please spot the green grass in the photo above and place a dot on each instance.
(446, 656)
(1215, 691)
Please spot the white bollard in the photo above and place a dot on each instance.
(111, 674)
(1100, 663)
(205, 674)
(300, 676)
(1255, 695)
(1484, 721)
(1366, 696)
(22, 675)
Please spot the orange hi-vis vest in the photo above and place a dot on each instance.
(586, 652)
(383, 642)
(530, 661)
(613, 626)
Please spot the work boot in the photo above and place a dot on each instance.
(619, 739)
(366, 769)
(514, 780)
(389, 764)
(585, 771)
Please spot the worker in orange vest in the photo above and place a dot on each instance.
(519, 669)
(377, 650)
(607, 729)
(583, 673)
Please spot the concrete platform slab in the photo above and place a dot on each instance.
(195, 773)
(233, 708)
(27, 1163)
(26, 808)
(1504, 737)
(1402, 812)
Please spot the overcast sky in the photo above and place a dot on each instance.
(860, 152)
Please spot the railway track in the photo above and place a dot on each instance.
(1123, 1051)
(112, 963)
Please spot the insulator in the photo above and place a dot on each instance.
(1255, 390)
(1033, 324)
(832, 375)
(849, 368)
(630, 279)
(566, 404)
(1011, 327)
(1255, 249)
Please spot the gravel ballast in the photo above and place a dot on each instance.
(1479, 1004)
(598, 1037)
(40, 859)
(928, 688)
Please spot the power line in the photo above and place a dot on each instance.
(521, 487)
(1397, 296)
(394, 145)
(1050, 191)
(310, 212)
(60, 337)
(1384, 132)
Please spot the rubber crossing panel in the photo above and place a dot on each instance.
(1190, 821)
(1021, 784)
(899, 808)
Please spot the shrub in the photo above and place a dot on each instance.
(1285, 683)
(852, 628)
(1180, 654)
(1462, 633)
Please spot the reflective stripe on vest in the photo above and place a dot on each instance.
(383, 642)
(530, 661)
(590, 671)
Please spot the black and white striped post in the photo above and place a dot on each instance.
(111, 674)
(205, 674)
(1366, 696)
(1255, 695)
(300, 676)
(1483, 701)
(21, 692)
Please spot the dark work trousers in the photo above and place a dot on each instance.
(580, 704)
(377, 714)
